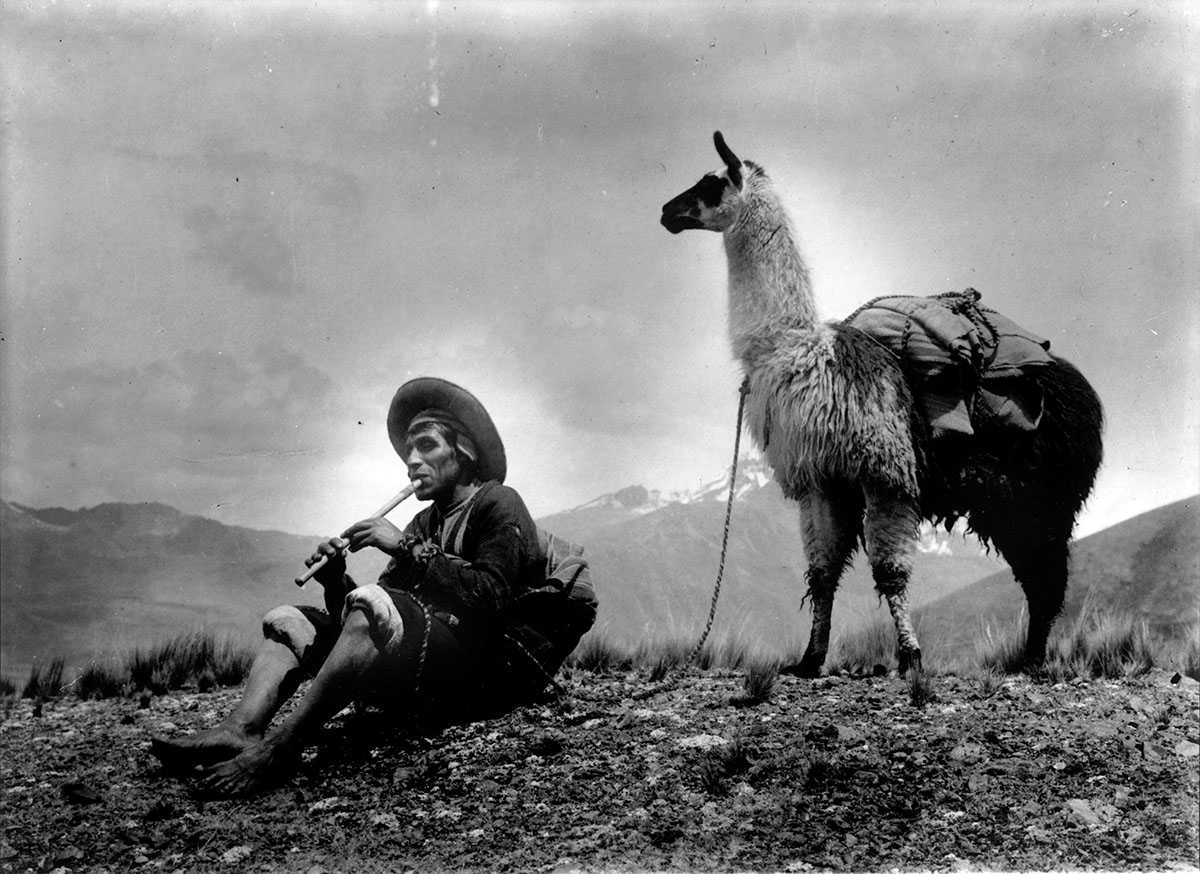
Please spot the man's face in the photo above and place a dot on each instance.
(432, 463)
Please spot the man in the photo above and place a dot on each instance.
(424, 640)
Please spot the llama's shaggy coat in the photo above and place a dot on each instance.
(834, 411)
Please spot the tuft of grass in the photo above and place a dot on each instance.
(1105, 644)
(722, 763)
(759, 683)
(1098, 643)
(7, 687)
(1189, 657)
(101, 680)
(1001, 653)
(662, 663)
(192, 660)
(819, 772)
(920, 689)
(45, 681)
(990, 682)
(858, 652)
(657, 657)
(599, 655)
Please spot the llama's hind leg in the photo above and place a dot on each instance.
(891, 529)
(1041, 570)
(829, 524)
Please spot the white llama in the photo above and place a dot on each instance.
(834, 412)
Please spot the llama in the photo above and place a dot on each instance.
(835, 414)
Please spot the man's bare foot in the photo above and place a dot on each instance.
(257, 767)
(201, 749)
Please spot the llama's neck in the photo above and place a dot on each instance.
(769, 289)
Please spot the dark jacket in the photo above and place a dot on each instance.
(500, 557)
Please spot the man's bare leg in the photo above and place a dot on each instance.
(274, 677)
(354, 660)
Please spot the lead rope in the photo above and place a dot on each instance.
(672, 681)
(737, 442)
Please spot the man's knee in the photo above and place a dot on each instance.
(383, 621)
(289, 626)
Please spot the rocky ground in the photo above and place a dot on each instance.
(832, 774)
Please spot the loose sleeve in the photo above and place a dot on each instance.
(335, 595)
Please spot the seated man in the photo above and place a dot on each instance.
(426, 639)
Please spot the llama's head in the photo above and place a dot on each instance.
(713, 203)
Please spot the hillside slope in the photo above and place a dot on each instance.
(78, 584)
(656, 560)
(81, 583)
(1147, 566)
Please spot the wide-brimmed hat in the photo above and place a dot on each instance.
(430, 393)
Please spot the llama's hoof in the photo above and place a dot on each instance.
(1035, 670)
(910, 661)
(807, 668)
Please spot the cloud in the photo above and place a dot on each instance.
(187, 431)
(205, 180)
(248, 248)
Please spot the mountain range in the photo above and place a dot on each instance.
(656, 557)
(86, 583)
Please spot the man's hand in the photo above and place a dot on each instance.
(333, 551)
(377, 532)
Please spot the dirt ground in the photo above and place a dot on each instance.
(623, 775)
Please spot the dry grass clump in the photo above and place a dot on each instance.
(45, 681)
(190, 660)
(194, 660)
(759, 683)
(722, 763)
(869, 649)
(1098, 643)
(920, 689)
(599, 654)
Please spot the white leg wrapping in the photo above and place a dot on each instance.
(289, 626)
(387, 628)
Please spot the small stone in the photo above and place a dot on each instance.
(81, 793)
(234, 855)
(848, 735)
(1082, 810)
(967, 752)
(702, 741)
(548, 743)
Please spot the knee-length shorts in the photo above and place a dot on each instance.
(435, 668)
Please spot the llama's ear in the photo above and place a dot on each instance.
(731, 160)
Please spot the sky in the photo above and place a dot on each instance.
(231, 231)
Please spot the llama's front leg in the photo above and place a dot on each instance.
(829, 525)
(908, 650)
(891, 530)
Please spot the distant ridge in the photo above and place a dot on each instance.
(77, 583)
(655, 558)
